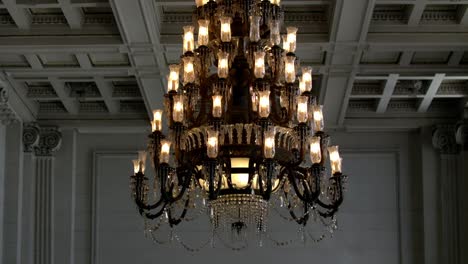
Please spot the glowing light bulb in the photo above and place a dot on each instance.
(212, 144)
(307, 78)
(203, 33)
(292, 32)
(335, 159)
(259, 70)
(269, 144)
(173, 78)
(178, 110)
(165, 151)
(189, 40)
(217, 105)
(318, 118)
(290, 69)
(189, 70)
(302, 111)
(157, 120)
(264, 104)
(223, 64)
(315, 150)
(225, 29)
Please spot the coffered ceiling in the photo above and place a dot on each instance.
(377, 63)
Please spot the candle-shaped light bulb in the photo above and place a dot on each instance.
(254, 99)
(302, 109)
(307, 78)
(165, 151)
(189, 70)
(136, 166)
(292, 31)
(254, 35)
(225, 29)
(269, 144)
(189, 39)
(173, 78)
(302, 85)
(178, 110)
(315, 150)
(259, 70)
(335, 159)
(217, 105)
(157, 120)
(142, 160)
(212, 144)
(264, 104)
(203, 32)
(275, 37)
(318, 118)
(201, 3)
(290, 69)
(275, 2)
(223, 64)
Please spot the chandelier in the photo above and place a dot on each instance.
(244, 132)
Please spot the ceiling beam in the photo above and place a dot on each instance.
(84, 61)
(406, 58)
(20, 15)
(74, 15)
(71, 105)
(106, 89)
(34, 61)
(417, 12)
(431, 92)
(387, 93)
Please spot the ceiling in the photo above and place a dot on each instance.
(378, 63)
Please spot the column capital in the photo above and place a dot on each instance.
(443, 139)
(31, 133)
(50, 140)
(462, 134)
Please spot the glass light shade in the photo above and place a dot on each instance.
(223, 64)
(212, 144)
(269, 144)
(217, 110)
(275, 2)
(315, 150)
(240, 180)
(318, 118)
(165, 151)
(302, 86)
(259, 70)
(254, 99)
(203, 32)
(157, 120)
(285, 43)
(189, 39)
(264, 104)
(225, 29)
(136, 166)
(200, 3)
(307, 78)
(292, 31)
(173, 78)
(275, 37)
(142, 160)
(302, 109)
(290, 69)
(189, 70)
(178, 110)
(335, 159)
(254, 28)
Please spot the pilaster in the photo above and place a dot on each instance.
(444, 140)
(462, 140)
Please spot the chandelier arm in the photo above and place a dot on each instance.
(292, 179)
(338, 191)
(185, 185)
(299, 220)
(175, 221)
(156, 215)
(269, 167)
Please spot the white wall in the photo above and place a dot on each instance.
(381, 220)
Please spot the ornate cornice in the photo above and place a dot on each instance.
(50, 141)
(7, 115)
(443, 139)
(31, 132)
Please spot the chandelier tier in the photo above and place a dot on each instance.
(243, 128)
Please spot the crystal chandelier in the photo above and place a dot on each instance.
(245, 133)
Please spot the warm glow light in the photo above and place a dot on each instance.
(269, 144)
(223, 64)
(203, 33)
(259, 70)
(318, 118)
(285, 43)
(212, 144)
(292, 31)
(189, 71)
(302, 109)
(165, 150)
(157, 120)
(173, 78)
(240, 180)
(217, 110)
(335, 159)
(275, 37)
(264, 104)
(142, 160)
(307, 78)
(136, 166)
(275, 2)
(290, 69)
(315, 150)
(189, 39)
(254, 35)
(178, 111)
(200, 3)
(225, 29)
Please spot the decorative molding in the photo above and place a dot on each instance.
(31, 135)
(50, 141)
(443, 139)
(7, 115)
(462, 134)
(93, 107)
(49, 19)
